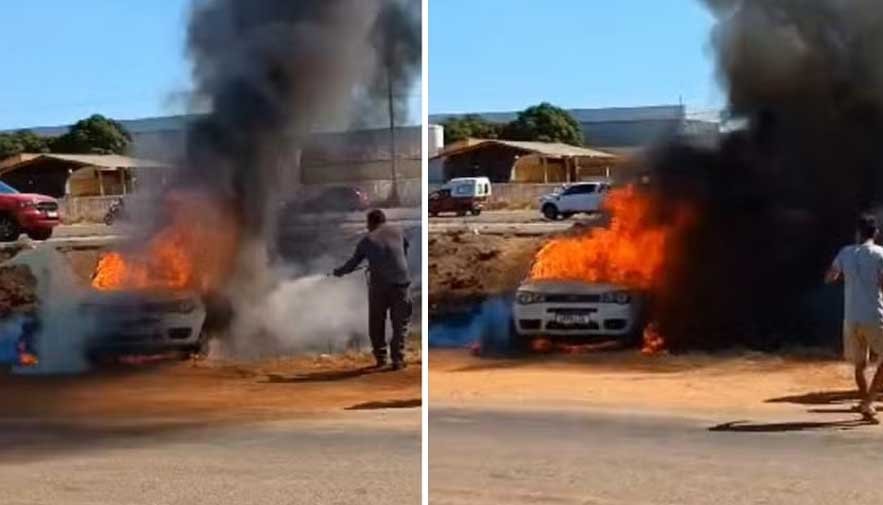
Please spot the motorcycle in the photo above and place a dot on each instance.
(116, 212)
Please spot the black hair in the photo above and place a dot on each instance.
(376, 218)
(866, 226)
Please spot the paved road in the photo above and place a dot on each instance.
(521, 222)
(367, 458)
(490, 457)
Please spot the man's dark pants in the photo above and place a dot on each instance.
(392, 299)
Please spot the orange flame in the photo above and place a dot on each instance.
(653, 341)
(632, 251)
(27, 359)
(193, 251)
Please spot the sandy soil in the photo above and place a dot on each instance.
(213, 391)
(626, 380)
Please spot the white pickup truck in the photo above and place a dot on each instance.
(570, 199)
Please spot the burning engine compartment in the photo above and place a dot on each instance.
(732, 239)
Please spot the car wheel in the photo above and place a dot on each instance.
(476, 212)
(550, 211)
(40, 234)
(9, 229)
(461, 213)
(519, 344)
(201, 349)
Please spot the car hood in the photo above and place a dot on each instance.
(568, 287)
(33, 197)
(126, 297)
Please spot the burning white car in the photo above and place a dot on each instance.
(576, 310)
(137, 322)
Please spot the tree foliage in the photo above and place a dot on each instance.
(22, 141)
(94, 135)
(545, 123)
(470, 126)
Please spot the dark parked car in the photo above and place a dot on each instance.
(335, 199)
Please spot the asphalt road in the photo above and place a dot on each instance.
(491, 457)
(361, 457)
(521, 222)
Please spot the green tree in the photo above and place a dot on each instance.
(470, 126)
(22, 141)
(546, 123)
(94, 135)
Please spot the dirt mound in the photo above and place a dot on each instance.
(18, 290)
(468, 268)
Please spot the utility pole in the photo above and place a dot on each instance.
(394, 199)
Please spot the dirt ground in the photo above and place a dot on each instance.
(738, 381)
(467, 268)
(213, 391)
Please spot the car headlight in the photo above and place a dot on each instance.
(184, 306)
(620, 297)
(528, 297)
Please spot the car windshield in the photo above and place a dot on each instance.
(6, 189)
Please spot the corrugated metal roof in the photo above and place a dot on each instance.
(106, 160)
(82, 160)
(544, 148)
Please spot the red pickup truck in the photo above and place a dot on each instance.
(34, 215)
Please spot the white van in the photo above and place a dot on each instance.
(460, 196)
(469, 187)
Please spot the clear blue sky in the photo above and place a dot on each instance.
(64, 60)
(67, 59)
(497, 55)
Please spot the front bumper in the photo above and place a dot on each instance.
(34, 219)
(575, 319)
(151, 333)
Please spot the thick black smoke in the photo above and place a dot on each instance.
(779, 195)
(275, 71)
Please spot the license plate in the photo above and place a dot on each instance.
(52, 214)
(572, 319)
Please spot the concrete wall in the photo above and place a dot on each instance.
(93, 209)
(85, 209)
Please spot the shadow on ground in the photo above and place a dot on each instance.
(326, 376)
(820, 398)
(749, 427)
(391, 404)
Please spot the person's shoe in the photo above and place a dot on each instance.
(868, 412)
(379, 362)
(399, 365)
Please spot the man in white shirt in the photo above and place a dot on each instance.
(861, 268)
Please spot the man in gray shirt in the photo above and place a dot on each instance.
(386, 249)
(861, 267)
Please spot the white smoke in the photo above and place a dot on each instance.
(305, 311)
(60, 343)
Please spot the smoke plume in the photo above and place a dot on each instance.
(777, 197)
(276, 71)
